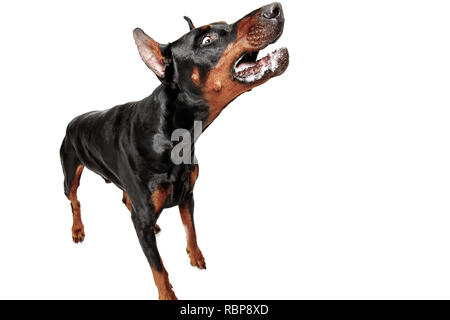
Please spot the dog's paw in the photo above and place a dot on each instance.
(78, 233)
(196, 256)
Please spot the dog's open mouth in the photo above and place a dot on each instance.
(249, 69)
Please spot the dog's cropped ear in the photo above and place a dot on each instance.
(189, 21)
(150, 52)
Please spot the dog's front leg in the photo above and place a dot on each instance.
(144, 220)
(187, 216)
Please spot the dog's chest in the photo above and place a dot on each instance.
(181, 182)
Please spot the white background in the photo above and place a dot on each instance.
(331, 181)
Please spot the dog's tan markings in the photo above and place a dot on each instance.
(195, 254)
(160, 195)
(208, 26)
(219, 88)
(161, 278)
(217, 85)
(195, 76)
(127, 201)
(77, 226)
(193, 176)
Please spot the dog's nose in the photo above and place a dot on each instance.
(272, 11)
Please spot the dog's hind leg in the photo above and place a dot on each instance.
(77, 227)
(127, 202)
(72, 169)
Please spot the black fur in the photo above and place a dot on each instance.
(130, 146)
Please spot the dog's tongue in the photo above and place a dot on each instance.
(244, 65)
(251, 68)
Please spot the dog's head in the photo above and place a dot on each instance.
(219, 61)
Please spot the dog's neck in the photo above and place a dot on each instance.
(182, 109)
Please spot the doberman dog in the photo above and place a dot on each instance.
(130, 145)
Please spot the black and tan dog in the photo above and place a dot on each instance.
(130, 145)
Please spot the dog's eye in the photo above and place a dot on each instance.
(208, 40)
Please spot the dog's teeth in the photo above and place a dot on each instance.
(250, 72)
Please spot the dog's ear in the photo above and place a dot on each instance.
(189, 21)
(150, 52)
